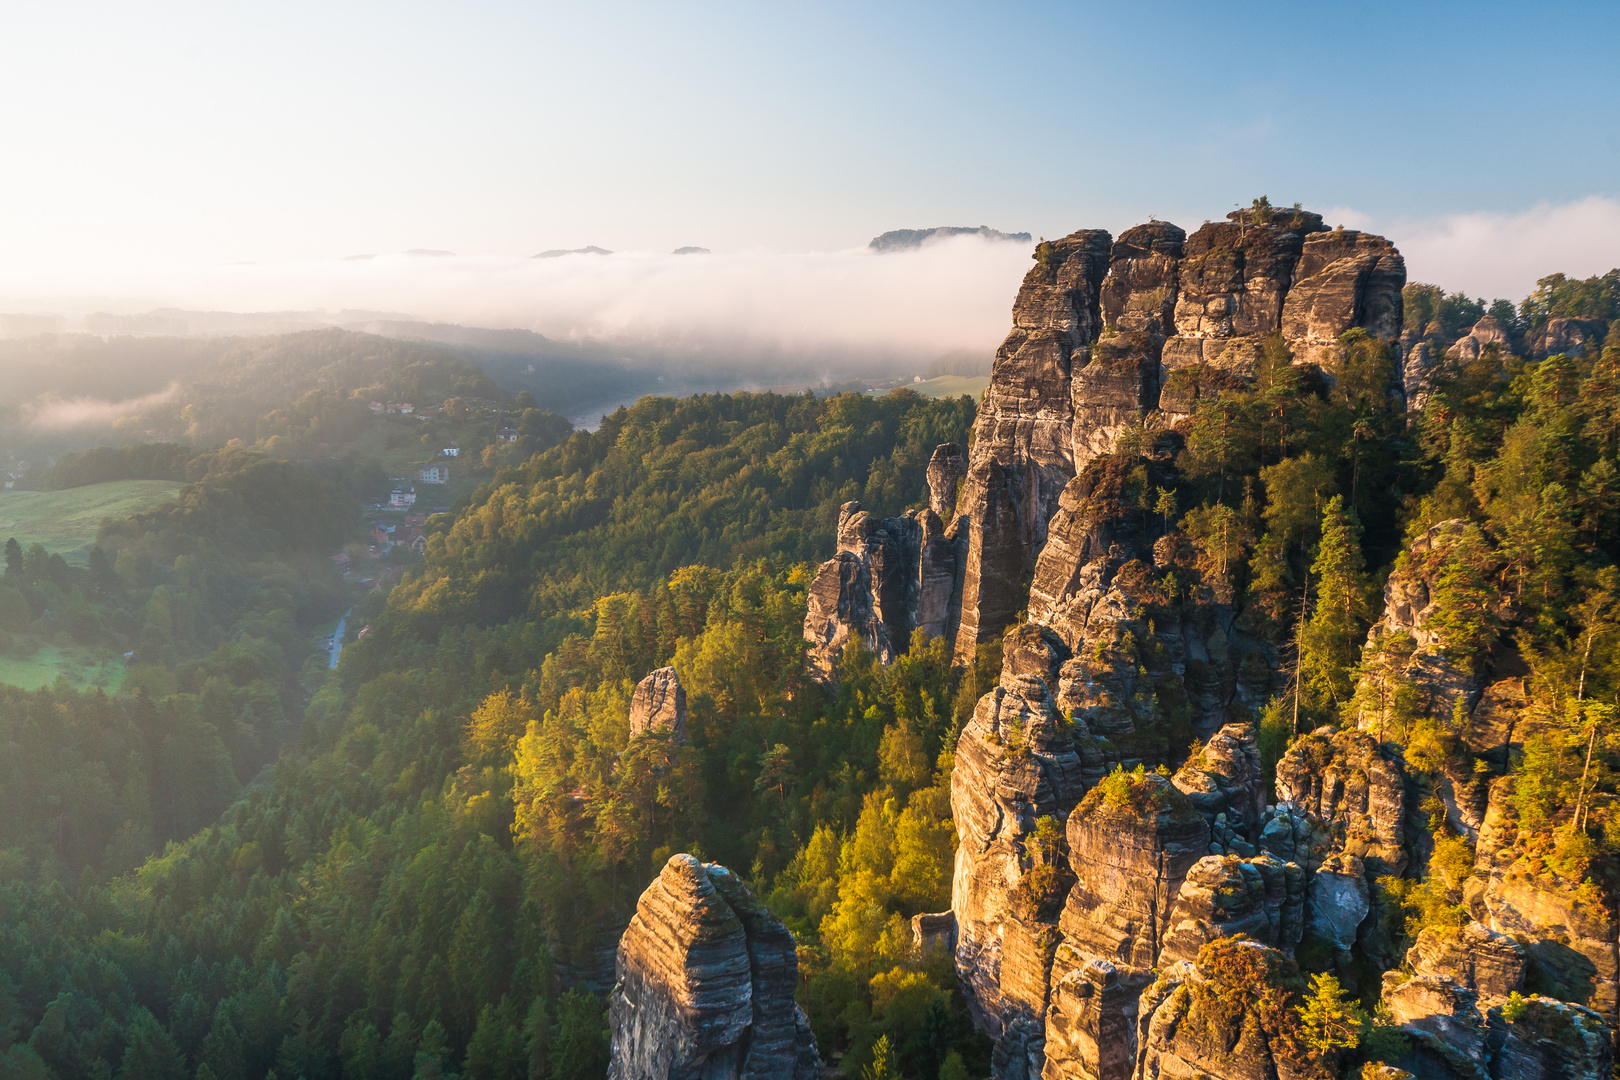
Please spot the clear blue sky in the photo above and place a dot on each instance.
(300, 130)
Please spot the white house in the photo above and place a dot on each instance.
(435, 474)
(402, 497)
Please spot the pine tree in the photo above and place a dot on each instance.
(149, 1052)
(1330, 643)
(884, 1066)
(1329, 1019)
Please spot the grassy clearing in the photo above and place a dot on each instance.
(65, 522)
(42, 668)
(942, 386)
(945, 386)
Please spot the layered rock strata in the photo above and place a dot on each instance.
(1100, 325)
(659, 704)
(1130, 859)
(889, 577)
(1568, 935)
(1352, 791)
(706, 976)
(1474, 957)
(1261, 899)
(1223, 781)
(1016, 763)
(1204, 1019)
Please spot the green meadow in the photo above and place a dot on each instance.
(65, 522)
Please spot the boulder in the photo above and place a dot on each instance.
(659, 704)
(706, 976)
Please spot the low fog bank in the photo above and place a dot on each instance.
(1493, 254)
(760, 314)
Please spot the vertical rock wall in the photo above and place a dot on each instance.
(1100, 325)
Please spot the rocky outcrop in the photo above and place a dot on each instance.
(1419, 373)
(1474, 957)
(1567, 932)
(1352, 792)
(1460, 1035)
(1482, 335)
(1223, 781)
(1445, 1012)
(1015, 765)
(1131, 844)
(1100, 324)
(1261, 899)
(1572, 336)
(1408, 633)
(1088, 1027)
(706, 976)
(1204, 1019)
(946, 471)
(888, 577)
(1544, 1038)
(1344, 279)
(659, 704)
(933, 930)
(1138, 650)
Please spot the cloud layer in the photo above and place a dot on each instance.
(1501, 255)
(910, 306)
(838, 309)
(55, 413)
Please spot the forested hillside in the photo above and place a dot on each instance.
(433, 883)
(214, 597)
(262, 959)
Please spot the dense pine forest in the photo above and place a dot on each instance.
(416, 865)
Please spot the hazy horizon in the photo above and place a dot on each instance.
(155, 151)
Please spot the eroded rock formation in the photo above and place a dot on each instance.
(659, 704)
(1352, 791)
(706, 976)
(1016, 764)
(1567, 932)
(1204, 1019)
(1101, 327)
(1474, 957)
